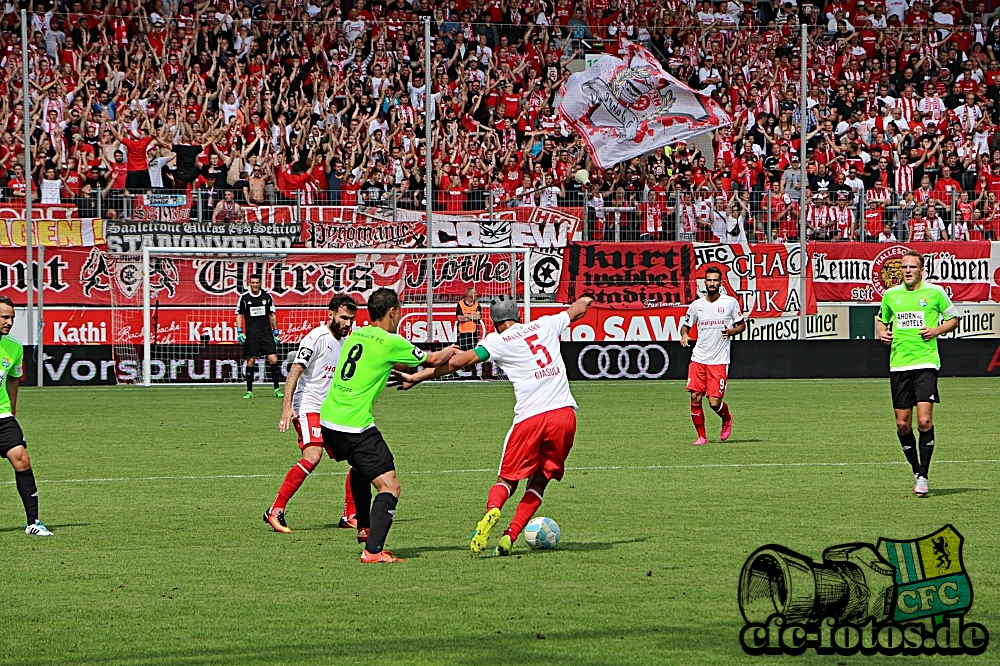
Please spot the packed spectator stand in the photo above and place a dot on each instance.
(322, 103)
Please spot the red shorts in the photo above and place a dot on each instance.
(708, 379)
(539, 444)
(313, 436)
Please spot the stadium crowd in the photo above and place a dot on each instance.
(321, 101)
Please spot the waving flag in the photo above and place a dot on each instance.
(625, 107)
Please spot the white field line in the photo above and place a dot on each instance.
(139, 479)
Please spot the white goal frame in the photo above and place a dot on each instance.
(147, 252)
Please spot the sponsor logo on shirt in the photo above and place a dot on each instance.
(257, 311)
(910, 319)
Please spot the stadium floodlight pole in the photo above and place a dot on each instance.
(29, 232)
(803, 180)
(147, 343)
(429, 151)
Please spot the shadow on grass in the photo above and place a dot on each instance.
(576, 547)
(955, 491)
(51, 527)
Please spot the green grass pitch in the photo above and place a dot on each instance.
(161, 557)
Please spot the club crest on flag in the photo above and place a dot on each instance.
(625, 107)
(930, 576)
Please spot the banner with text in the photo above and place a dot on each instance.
(862, 272)
(629, 275)
(53, 225)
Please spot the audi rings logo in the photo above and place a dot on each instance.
(623, 362)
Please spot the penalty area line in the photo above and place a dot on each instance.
(600, 468)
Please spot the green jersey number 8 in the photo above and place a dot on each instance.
(351, 363)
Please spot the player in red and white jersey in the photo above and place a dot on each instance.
(718, 319)
(308, 382)
(544, 414)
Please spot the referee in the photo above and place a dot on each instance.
(256, 310)
(913, 315)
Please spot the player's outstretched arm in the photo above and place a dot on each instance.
(438, 358)
(579, 308)
(455, 363)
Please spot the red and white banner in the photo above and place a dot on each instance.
(861, 272)
(53, 225)
(764, 278)
(625, 107)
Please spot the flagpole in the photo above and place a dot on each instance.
(429, 148)
(803, 177)
(28, 223)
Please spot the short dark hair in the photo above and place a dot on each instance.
(380, 302)
(343, 301)
(714, 269)
(5, 300)
(255, 276)
(908, 253)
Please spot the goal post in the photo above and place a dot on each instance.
(189, 298)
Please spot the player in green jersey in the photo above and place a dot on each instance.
(12, 444)
(366, 360)
(913, 315)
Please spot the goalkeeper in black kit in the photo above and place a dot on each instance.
(261, 337)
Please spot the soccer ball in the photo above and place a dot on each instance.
(542, 533)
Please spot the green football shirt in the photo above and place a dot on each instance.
(11, 356)
(366, 360)
(906, 312)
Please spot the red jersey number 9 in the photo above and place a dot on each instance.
(537, 348)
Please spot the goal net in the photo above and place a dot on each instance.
(186, 299)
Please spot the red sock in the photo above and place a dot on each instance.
(722, 411)
(498, 495)
(526, 508)
(296, 475)
(349, 508)
(698, 417)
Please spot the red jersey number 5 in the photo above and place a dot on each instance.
(537, 348)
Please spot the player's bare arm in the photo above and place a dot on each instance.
(287, 413)
(735, 330)
(883, 332)
(579, 308)
(12, 385)
(685, 339)
(947, 326)
(455, 363)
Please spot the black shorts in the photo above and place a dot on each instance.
(137, 180)
(912, 386)
(259, 345)
(467, 341)
(10, 435)
(366, 451)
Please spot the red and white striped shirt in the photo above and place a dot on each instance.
(904, 178)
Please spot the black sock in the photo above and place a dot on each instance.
(382, 509)
(275, 370)
(361, 488)
(909, 443)
(251, 370)
(926, 448)
(28, 491)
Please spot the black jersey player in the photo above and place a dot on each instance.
(260, 339)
